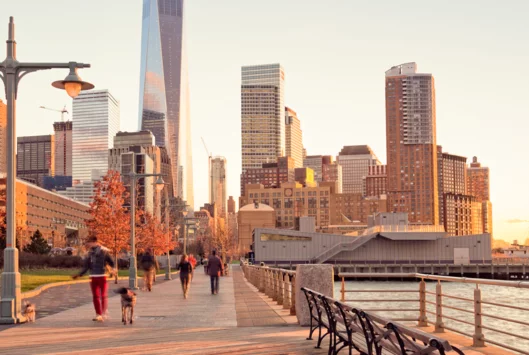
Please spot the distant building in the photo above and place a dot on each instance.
(84, 191)
(270, 174)
(95, 116)
(376, 181)
(155, 122)
(251, 216)
(231, 205)
(316, 163)
(3, 139)
(411, 144)
(354, 208)
(478, 185)
(57, 182)
(63, 148)
(462, 215)
(355, 161)
(139, 163)
(451, 178)
(262, 115)
(218, 186)
(305, 176)
(333, 173)
(294, 137)
(35, 158)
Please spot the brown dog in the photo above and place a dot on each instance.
(30, 311)
(128, 301)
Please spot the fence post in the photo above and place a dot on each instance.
(479, 338)
(286, 292)
(439, 325)
(262, 276)
(343, 289)
(293, 295)
(423, 319)
(280, 287)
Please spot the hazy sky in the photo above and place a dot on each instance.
(334, 53)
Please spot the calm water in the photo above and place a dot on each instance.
(504, 295)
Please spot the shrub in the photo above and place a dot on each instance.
(36, 261)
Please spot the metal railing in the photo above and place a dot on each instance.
(403, 229)
(278, 284)
(465, 313)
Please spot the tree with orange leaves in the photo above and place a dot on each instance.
(109, 221)
(150, 233)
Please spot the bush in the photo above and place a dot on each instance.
(36, 261)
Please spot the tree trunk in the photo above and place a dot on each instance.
(117, 268)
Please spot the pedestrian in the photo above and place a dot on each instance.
(96, 263)
(150, 267)
(215, 268)
(206, 266)
(186, 274)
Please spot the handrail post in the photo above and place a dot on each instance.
(293, 295)
(280, 288)
(439, 325)
(274, 285)
(262, 279)
(478, 338)
(423, 319)
(343, 290)
(286, 292)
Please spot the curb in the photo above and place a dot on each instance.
(41, 288)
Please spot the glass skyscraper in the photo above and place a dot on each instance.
(95, 119)
(164, 87)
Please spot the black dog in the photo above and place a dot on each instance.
(128, 301)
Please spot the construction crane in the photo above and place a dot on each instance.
(63, 111)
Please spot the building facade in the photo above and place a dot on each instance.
(232, 208)
(294, 137)
(63, 148)
(262, 115)
(218, 186)
(355, 161)
(270, 174)
(3, 139)
(478, 185)
(333, 173)
(462, 215)
(451, 177)
(139, 163)
(411, 144)
(316, 163)
(164, 88)
(355, 208)
(35, 158)
(376, 181)
(95, 117)
(250, 217)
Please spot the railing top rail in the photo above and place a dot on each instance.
(285, 271)
(518, 284)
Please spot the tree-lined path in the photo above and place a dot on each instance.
(236, 321)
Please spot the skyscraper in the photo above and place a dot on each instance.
(35, 158)
(3, 139)
(262, 115)
(411, 144)
(164, 88)
(451, 178)
(63, 148)
(293, 138)
(95, 117)
(478, 185)
(355, 161)
(218, 188)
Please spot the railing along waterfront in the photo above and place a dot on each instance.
(278, 284)
(469, 313)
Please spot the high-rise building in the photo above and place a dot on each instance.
(95, 117)
(478, 185)
(139, 163)
(411, 144)
(262, 115)
(164, 88)
(293, 138)
(269, 174)
(462, 215)
(231, 205)
(35, 158)
(355, 161)
(218, 187)
(316, 162)
(3, 139)
(63, 148)
(376, 181)
(451, 177)
(333, 173)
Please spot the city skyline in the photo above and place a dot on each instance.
(356, 101)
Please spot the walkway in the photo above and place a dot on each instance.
(166, 323)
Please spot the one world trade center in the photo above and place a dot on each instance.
(164, 88)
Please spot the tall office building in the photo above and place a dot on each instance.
(63, 148)
(355, 161)
(411, 144)
(262, 115)
(478, 185)
(35, 158)
(3, 139)
(164, 88)
(218, 187)
(294, 137)
(95, 117)
(451, 178)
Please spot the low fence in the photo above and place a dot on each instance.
(466, 313)
(278, 284)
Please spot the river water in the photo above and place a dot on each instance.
(496, 294)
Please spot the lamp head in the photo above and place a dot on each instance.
(159, 184)
(72, 83)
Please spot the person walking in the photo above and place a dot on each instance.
(150, 267)
(186, 274)
(215, 268)
(96, 264)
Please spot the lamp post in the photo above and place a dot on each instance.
(184, 213)
(133, 267)
(11, 72)
(166, 213)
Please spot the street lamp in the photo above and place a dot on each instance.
(184, 214)
(160, 184)
(133, 267)
(11, 72)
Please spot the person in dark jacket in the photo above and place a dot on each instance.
(186, 274)
(150, 267)
(96, 264)
(215, 268)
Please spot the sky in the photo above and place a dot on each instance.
(334, 53)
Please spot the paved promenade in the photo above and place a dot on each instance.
(236, 321)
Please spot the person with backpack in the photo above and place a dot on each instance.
(96, 263)
(149, 266)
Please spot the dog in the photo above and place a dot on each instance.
(30, 311)
(128, 301)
